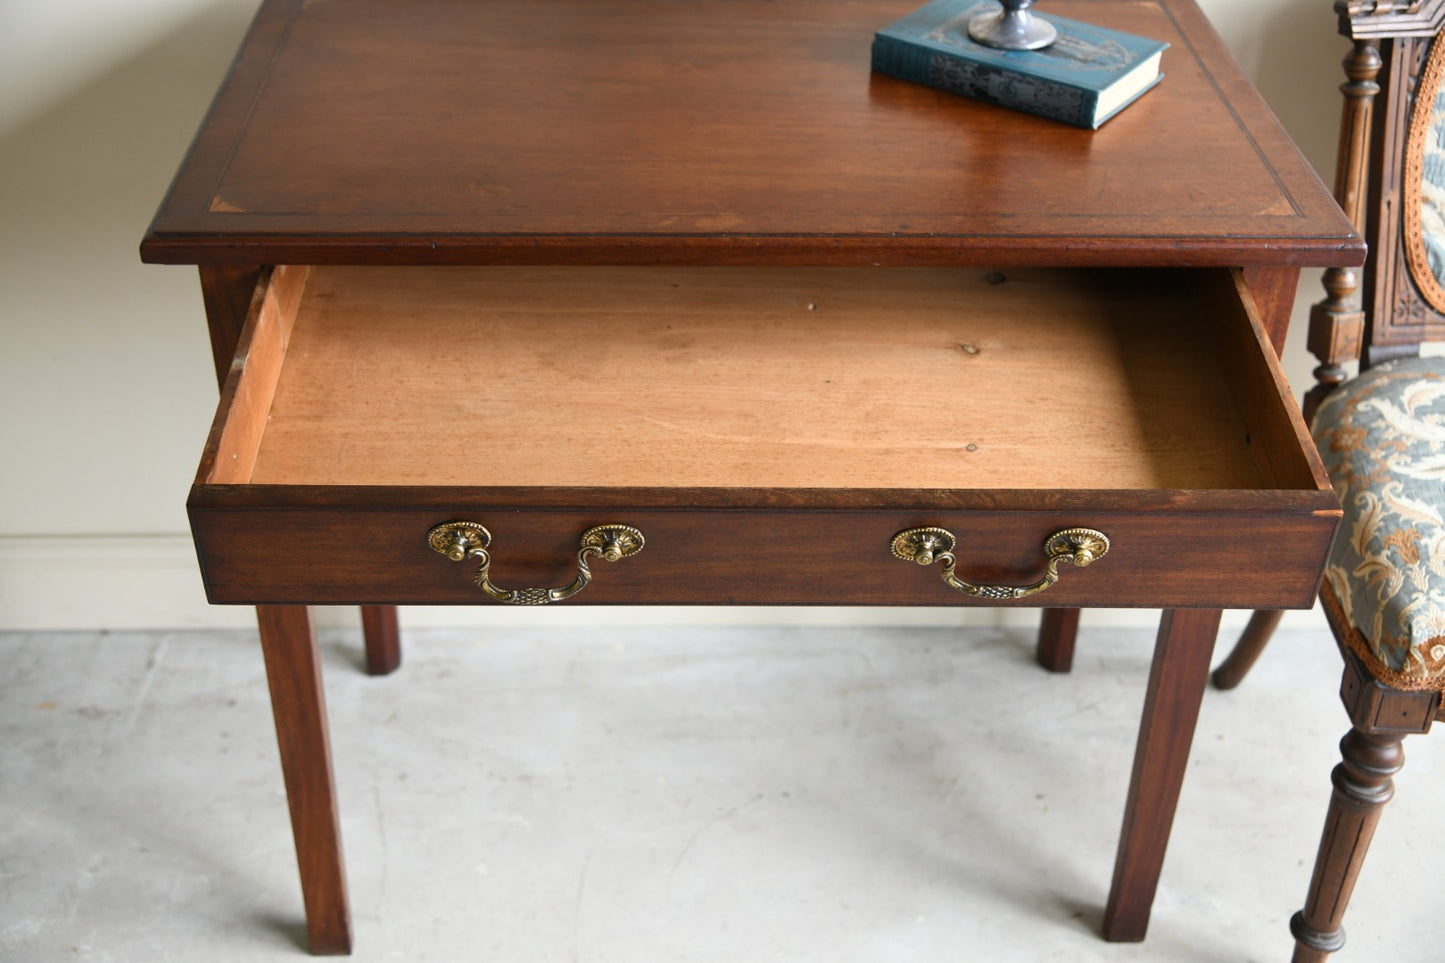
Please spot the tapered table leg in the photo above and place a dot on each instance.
(1177, 681)
(293, 671)
(1056, 639)
(382, 633)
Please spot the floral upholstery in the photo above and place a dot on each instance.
(1382, 437)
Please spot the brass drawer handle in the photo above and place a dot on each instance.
(461, 540)
(1080, 546)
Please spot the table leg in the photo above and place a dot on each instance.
(293, 671)
(1177, 681)
(383, 639)
(1273, 290)
(227, 292)
(1056, 639)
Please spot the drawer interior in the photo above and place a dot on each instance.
(912, 378)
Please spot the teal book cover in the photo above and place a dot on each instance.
(1083, 78)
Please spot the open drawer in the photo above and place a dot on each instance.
(767, 431)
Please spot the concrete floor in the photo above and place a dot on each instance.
(712, 794)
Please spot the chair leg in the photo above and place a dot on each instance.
(293, 671)
(1256, 635)
(382, 633)
(1177, 680)
(1363, 783)
(1056, 639)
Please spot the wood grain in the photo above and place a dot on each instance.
(298, 702)
(768, 431)
(528, 400)
(382, 631)
(1275, 431)
(304, 550)
(756, 379)
(1397, 316)
(230, 454)
(1363, 785)
(1058, 631)
(227, 291)
(750, 132)
(1273, 291)
(1177, 679)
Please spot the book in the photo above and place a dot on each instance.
(1083, 78)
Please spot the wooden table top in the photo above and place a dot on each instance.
(714, 132)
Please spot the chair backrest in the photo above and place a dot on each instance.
(1390, 180)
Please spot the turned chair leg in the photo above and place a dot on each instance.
(1371, 754)
(380, 629)
(1256, 635)
(1056, 639)
(1363, 783)
(293, 671)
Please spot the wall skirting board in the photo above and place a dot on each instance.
(105, 582)
(92, 582)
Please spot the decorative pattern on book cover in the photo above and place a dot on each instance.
(1085, 77)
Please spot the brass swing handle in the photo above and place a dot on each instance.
(459, 541)
(1079, 546)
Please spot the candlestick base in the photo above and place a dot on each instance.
(1012, 28)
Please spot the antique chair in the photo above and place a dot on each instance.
(1381, 435)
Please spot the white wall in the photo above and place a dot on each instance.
(105, 385)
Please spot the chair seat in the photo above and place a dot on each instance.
(1382, 437)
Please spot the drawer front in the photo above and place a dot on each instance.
(1160, 556)
(769, 433)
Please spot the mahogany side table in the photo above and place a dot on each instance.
(675, 303)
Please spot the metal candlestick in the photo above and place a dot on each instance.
(1012, 28)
